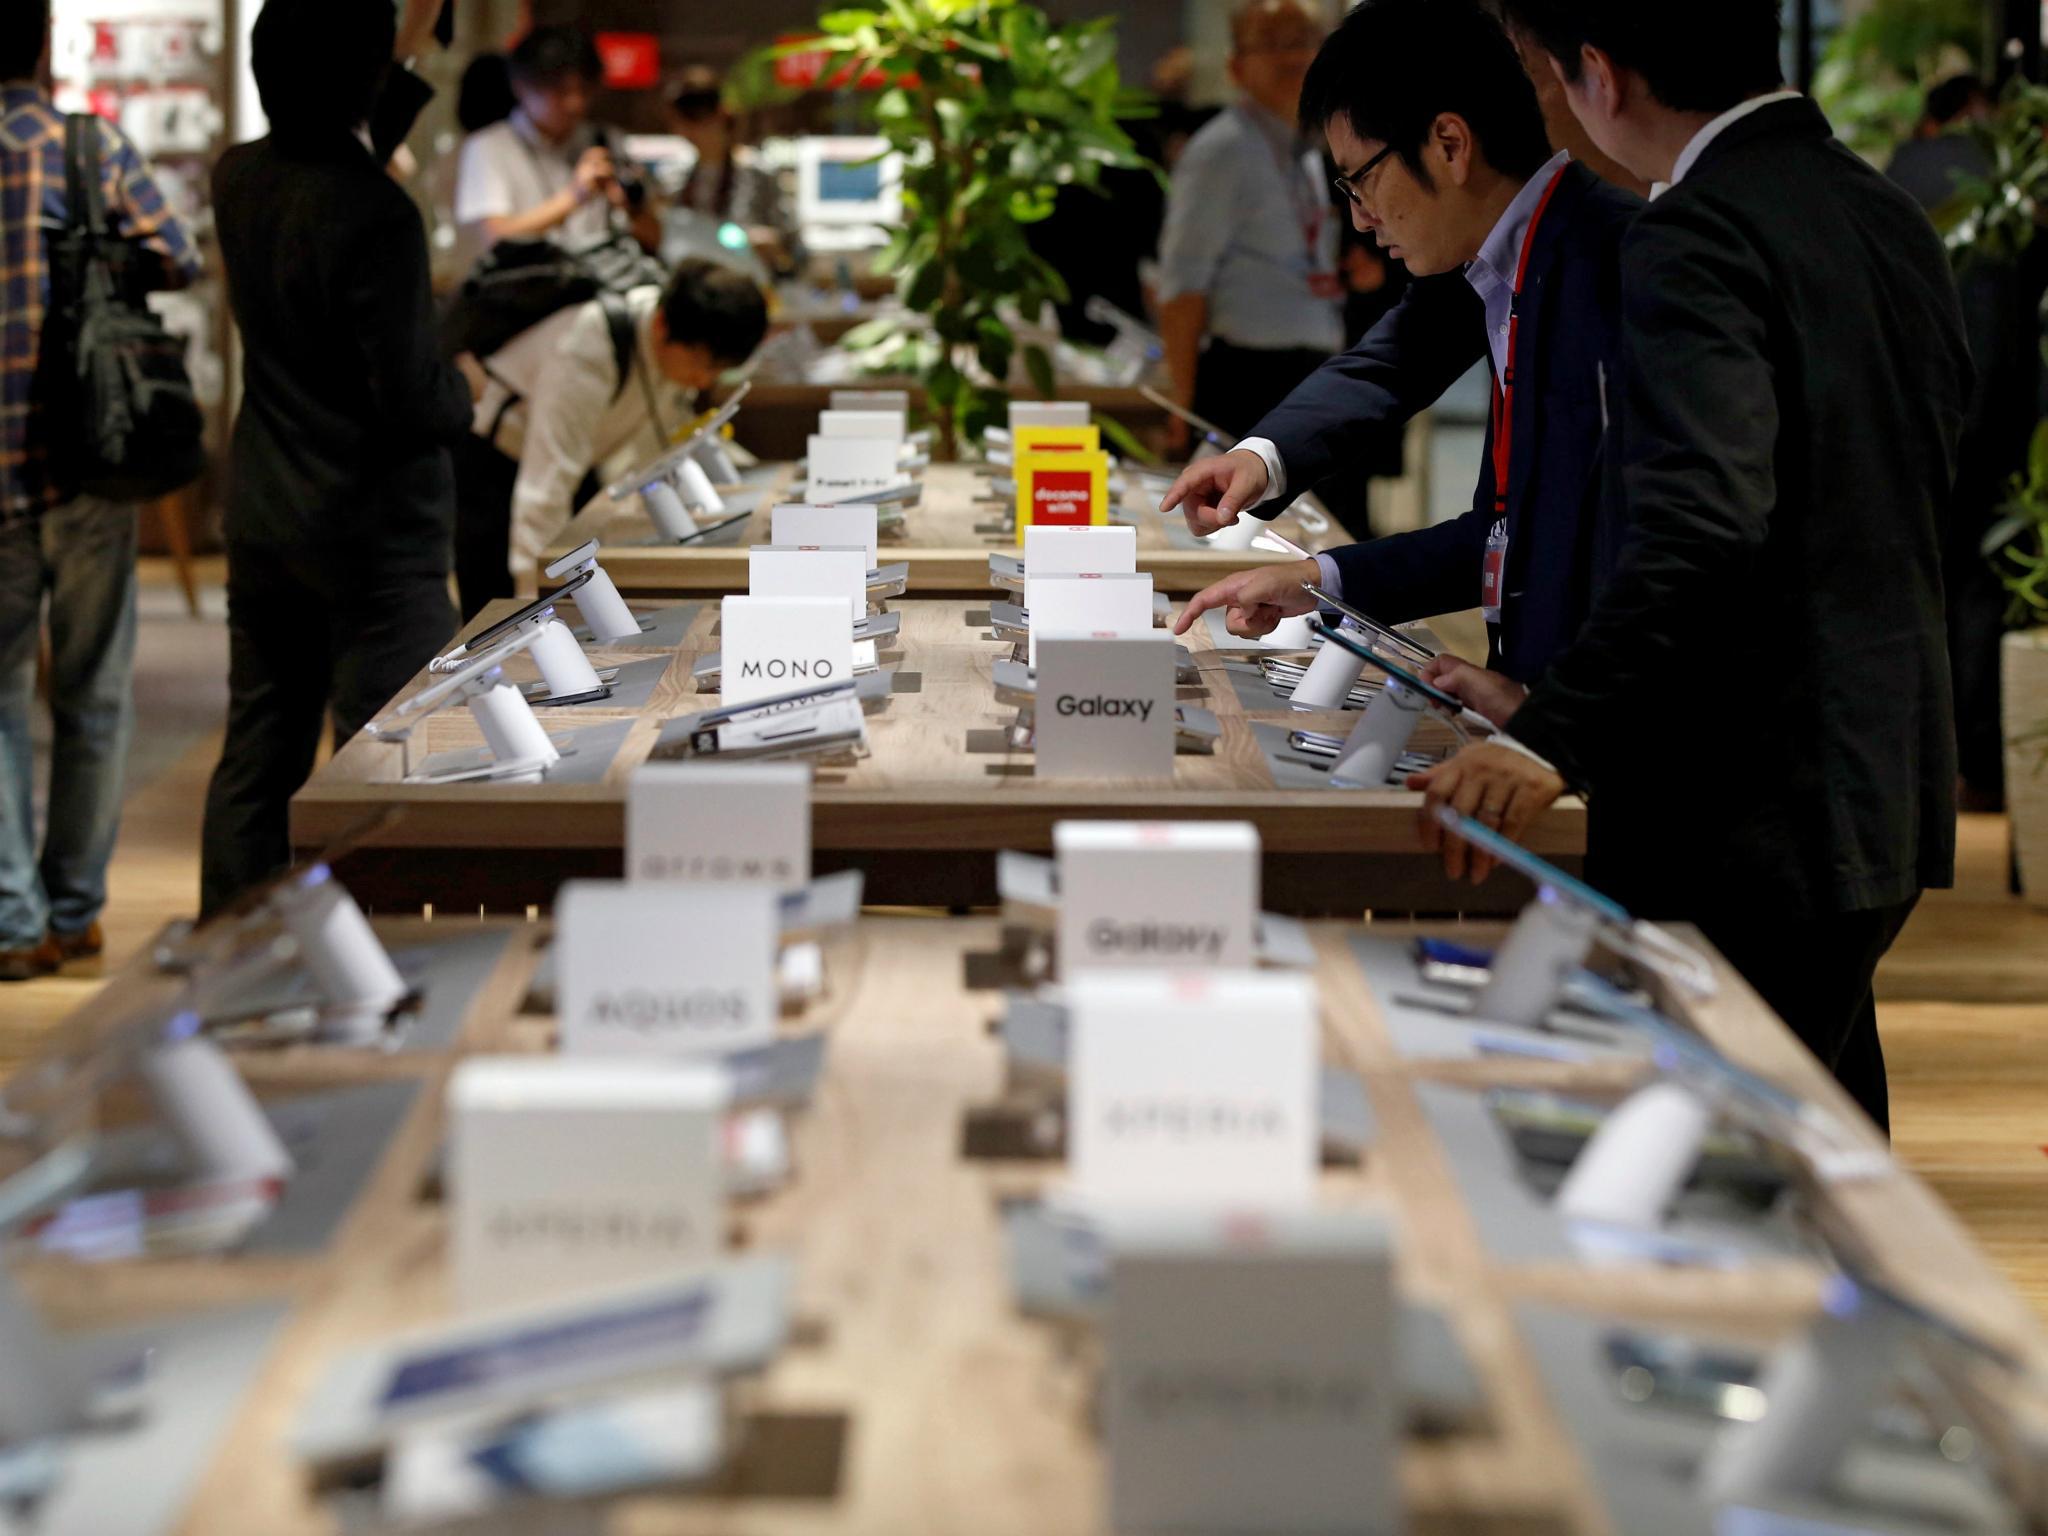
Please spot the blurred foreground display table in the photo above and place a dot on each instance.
(924, 815)
(915, 1399)
(946, 540)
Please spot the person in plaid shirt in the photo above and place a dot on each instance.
(79, 551)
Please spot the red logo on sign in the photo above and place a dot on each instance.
(1062, 498)
(632, 60)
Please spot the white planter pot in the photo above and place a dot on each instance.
(2025, 673)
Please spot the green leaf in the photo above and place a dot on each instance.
(1038, 363)
(844, 23)
(1126, 441)
(2003, 532)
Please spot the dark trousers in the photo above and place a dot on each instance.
(1816, 974)
(484, 478)
(1236, 386)
(307, 637)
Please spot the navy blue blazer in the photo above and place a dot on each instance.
(1563, 521)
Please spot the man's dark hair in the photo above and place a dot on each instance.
(697, 94)
(485, 95)
(1694, 62)
(549, 55)
(23, 30)
(319, 63)
(1953, 97)
(716, 307)
(1393, 67)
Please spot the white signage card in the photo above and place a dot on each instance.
(1049, 413)
(870, 400)
(1050, 551)
(1104, 707)
(720, 823)
(1252, 1378)
(572, 1174)
(815, 570)
(893, 425)
(1086, 604)
(771, 645)
(1166, 894)
(1193, 1090)
(841, 467)
(795, 524)
(665, 968)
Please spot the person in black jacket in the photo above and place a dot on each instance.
(341, 500)
(1517, 254)
(1758, 707)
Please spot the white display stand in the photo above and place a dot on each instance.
(1639, 1159)
(358, 983)
(1329, 680)
(1381, 736)
(1819, 1390)
(204, 1103)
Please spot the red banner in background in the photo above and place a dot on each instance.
(632, 60)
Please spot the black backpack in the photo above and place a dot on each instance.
(519, 283)
(122, 419)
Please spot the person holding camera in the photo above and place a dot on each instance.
(547, 172)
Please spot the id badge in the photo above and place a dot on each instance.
(1493, 572)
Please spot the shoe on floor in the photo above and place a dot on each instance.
(27, 964)
(88, 945)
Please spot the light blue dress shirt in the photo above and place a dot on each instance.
(1246, 197)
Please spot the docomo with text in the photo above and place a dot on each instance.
(772, 645)
(665, 968)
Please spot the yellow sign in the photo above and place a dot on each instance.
(1062, 488)
(1056, 440)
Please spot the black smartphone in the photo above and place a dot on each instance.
(498, 631)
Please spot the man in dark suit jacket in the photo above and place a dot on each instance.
(1759, 705)
(1428, 109)
(341, 505)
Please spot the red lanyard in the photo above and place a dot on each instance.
(1504, 397)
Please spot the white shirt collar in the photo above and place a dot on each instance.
(1502, 252)
(1706, 136)
(362, 133)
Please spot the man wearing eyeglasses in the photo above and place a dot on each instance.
(1436, 127)
(1250, 303)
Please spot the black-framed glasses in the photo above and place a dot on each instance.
(1348, 185)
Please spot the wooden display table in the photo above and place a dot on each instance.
(915, 1400)
(925, 814)
(946, 550)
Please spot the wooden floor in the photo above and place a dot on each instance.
(1963, 1002)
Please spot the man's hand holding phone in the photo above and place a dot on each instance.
(1491, 694)
(1256, 600)
(1494, 785)
(1212, 493)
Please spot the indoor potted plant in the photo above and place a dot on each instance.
(993, 108)
(2018, 542)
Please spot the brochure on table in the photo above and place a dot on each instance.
(794, 525)
(1179, 895)
(772, 645)
(1104, 707)
(720, 823)
(841, 468)
(839, 570)
(1086, 604)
